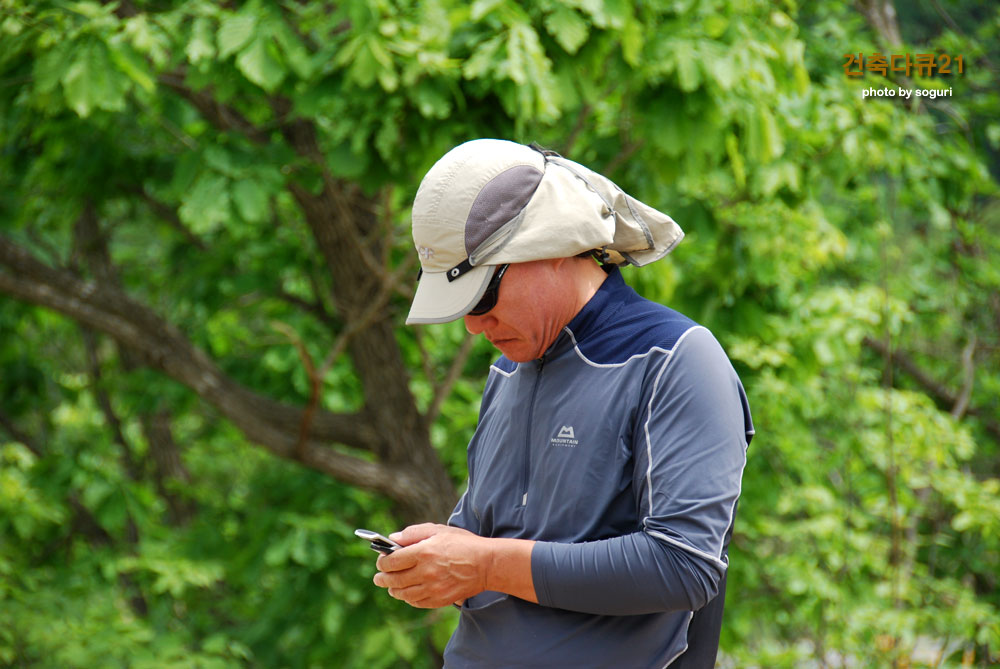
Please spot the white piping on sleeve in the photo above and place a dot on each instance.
(684, 649)
(717, 560)
(721, 564)
(649, 416)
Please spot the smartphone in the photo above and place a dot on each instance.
(379, 543)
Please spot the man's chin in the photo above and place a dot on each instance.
(515, 351)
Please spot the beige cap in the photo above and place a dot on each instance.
(489, 201)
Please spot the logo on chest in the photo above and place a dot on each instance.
(566, 437)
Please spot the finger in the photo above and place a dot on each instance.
(398, 560)
(427, 604)
(407, 594)
(415, 533)
(398, 579)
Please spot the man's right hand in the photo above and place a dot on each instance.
(441, 565)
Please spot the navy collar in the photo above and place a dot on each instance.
(603, 306)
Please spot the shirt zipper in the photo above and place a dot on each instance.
(526, 469)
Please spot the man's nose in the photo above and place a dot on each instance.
(476, 324)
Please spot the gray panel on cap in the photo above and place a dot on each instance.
(501, 199)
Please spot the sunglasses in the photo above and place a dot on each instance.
(491, 295)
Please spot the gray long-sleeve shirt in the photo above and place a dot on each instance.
(621, 451)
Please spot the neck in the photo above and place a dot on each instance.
(591, 276)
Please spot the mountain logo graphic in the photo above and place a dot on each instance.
(566, 437)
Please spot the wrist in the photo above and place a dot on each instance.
(490, 568)
(508, 567)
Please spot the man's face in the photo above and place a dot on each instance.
(533, 306)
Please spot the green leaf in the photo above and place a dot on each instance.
(201, 46)
(50, 68)
(131, 63)
(483, 59)
(294, 52)
(147, 38)
(234, 33)
(261, 64)
(722, 69)
(516, 67)
(481, 8)
(567, 27)
(432, 100)
(206, 205)
(771, 135)
(736, 160)
(597, 10)
(92, 83)
(633, 40)
(688, 70)
(715, 25)
(252, 201)
(385, 68)
(365, 68)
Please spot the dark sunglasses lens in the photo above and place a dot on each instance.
(488, 302)
(489, 299)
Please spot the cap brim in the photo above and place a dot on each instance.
(438, 300)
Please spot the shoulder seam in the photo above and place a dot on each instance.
(605, 365)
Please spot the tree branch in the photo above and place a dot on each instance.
(162, 346)
(168, 466)
(881, 16)
(941, 394)
(340, 217)
(223, 117)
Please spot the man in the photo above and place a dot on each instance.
(606, 466)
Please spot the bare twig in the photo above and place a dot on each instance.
(425, 357)
(627, 151)
(442, 391)
(943, 13)
(169, 214)
(578, 126)
(317, 309)
(17, 435)
(104, 402)
(969, 374)
(881, 16)
(942, 396)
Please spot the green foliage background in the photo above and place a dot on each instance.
(844, 250)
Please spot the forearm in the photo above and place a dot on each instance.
(627, 575)
(509, 568)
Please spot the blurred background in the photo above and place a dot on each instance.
(205, 263)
